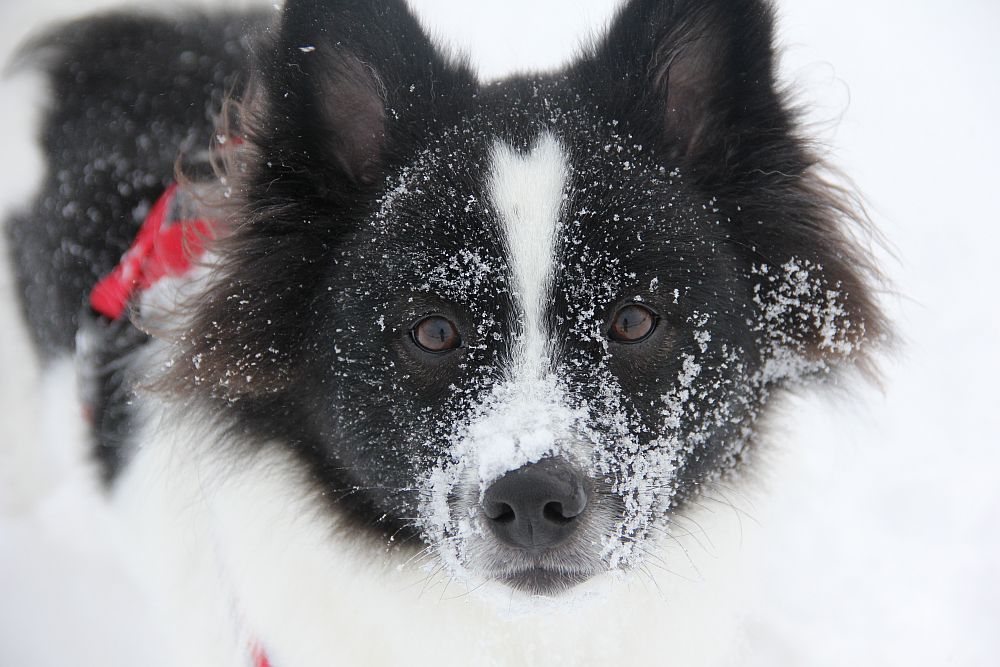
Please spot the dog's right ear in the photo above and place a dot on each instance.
(695, 82)
(695, 77)
(349, 83)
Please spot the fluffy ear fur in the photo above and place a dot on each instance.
(696, 80)
(349, 83)
(695, 74)
(347, 90)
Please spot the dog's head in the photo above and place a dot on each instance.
(524, 321)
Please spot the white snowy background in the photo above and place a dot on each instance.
(872, 536)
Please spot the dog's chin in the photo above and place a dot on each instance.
(542, 581)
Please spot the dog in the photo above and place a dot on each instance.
(345, 317)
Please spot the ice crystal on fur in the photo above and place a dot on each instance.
(793, 290)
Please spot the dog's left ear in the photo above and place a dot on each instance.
(692, 74)
(350, 84)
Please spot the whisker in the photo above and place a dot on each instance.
(469, 591)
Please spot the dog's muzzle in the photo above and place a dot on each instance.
(535, 512)
(538, 506)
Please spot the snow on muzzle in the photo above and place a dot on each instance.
(515, 498)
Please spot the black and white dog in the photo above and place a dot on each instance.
(409, 322)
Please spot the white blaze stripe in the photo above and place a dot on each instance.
(528, 191)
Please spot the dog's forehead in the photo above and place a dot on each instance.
(506, 200)
(528, 192)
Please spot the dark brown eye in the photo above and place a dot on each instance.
(632, 324)
(436, 334)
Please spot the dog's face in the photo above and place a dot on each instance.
(524, 321)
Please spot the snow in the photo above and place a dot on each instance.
(872, 537)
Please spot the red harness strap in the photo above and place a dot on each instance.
(164, 246)
(167, 244)
(259, 657)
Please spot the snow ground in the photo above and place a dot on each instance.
(874, 539)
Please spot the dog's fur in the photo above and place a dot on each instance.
(268, 419)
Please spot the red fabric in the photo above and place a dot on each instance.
(158, 250)
(161, 248)
(260, 658)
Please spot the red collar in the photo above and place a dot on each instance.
(168, 242)
(259, 656)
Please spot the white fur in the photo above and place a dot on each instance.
(528, 192)
(240, 547)
(524, 418)
(243, 548)
(247, 550)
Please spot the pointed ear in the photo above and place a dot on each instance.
(347, 81)
(694, 74)
(695, 79)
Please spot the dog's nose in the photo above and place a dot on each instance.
(537, 506)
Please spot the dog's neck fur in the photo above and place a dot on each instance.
(209, 528)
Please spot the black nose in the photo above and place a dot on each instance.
(536, 506)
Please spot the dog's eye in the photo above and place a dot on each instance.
(632, 324)
(436, 334)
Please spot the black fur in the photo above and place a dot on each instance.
(361, 206)
(129, 94)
